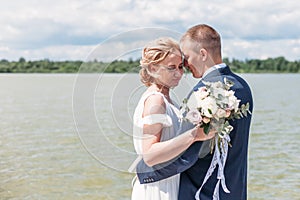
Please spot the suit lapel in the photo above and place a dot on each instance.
(217, 73)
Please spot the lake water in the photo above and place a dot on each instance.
(65, 136)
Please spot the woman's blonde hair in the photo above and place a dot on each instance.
(154, 53)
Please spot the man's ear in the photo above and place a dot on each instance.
(203, 54)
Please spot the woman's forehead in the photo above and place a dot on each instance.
(173, 58)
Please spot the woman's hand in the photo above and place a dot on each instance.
(199, 134)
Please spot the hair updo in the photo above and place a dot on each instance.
(154, 53)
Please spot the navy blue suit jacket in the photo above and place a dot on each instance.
(193, 169)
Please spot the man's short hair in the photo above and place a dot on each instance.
(205, 37)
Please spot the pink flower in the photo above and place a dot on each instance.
(194, 116)
(206, 120)
(221, 113)
(228, 113)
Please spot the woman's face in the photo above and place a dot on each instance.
(170, 70)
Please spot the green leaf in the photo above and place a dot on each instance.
(220, 97)
(206, 128)
(185, 100)
(229, 83)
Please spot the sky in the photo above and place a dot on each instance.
(80, 30)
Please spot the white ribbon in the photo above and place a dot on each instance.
(220, 159)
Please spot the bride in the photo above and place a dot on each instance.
(156, 118)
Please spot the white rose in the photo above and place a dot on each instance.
(201, 93)
(194, 100)
(208, 106)
(233, 103)
(229, 93)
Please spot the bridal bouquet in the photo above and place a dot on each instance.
(212, 106)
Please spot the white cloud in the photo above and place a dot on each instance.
(261, 49)
(128, 44)
(33, 28)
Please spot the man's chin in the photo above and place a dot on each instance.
(196, 75)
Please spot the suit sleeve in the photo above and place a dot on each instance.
(158, 172)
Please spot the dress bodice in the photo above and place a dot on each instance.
(169, 120)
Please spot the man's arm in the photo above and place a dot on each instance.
(158, 172)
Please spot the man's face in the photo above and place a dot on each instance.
(192, 57)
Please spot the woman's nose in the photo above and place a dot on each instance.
(178, 73)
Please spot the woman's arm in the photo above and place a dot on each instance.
(154, 151)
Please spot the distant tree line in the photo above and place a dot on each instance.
(270, 65)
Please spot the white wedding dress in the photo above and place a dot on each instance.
(166, 189)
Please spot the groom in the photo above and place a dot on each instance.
(201, 46)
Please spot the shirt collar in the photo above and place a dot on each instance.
(218, 66)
